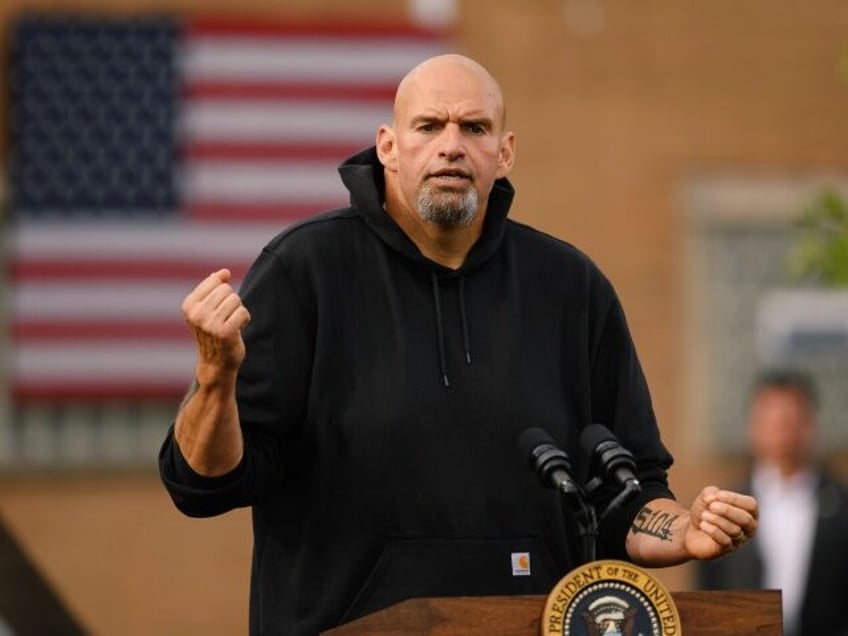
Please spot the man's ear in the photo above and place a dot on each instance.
(507, 155)
(387, 147)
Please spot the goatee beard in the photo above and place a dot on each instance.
(451, 210)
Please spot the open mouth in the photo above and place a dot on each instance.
(450, 175)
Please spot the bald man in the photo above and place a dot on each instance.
(365, 389)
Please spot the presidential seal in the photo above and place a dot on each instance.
(609, 598)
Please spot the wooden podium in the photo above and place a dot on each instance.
(714, 613)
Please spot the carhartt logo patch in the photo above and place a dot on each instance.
(521, 564)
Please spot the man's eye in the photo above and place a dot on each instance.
(475, 129)
(426, 128)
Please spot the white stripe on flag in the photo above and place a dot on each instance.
(104, 362)
(262, 182)
(127, 301)
(312, 59)
(142, 241)
(270, 121)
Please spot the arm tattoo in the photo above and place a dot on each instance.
(655, 523)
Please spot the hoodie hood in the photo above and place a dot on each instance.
(362, 174)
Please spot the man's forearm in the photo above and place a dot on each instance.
(207, 428)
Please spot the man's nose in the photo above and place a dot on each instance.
(453, 144)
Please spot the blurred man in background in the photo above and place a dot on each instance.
(802, 544)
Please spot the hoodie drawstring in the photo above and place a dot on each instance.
(440, 328)
(466, 341)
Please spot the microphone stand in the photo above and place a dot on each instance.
(577, 507)
(630, 490)
(577, 504)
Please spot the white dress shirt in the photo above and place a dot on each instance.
(788, 510)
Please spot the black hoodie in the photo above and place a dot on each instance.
(382, 398)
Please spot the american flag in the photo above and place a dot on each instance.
(147, 153)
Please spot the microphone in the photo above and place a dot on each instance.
(550, 462)
(610, 459)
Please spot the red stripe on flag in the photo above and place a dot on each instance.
(89, 270)
(261, 151)
(69, 390)
(253, 90)
(99, 330)
(284, 212)
(264, 28)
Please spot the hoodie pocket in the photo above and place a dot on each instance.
(419, 567)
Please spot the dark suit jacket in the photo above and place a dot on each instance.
(824, 609)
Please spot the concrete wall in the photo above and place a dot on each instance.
(610, 127)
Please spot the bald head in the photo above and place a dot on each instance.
(450, 74)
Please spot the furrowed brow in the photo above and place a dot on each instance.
(483, 122)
